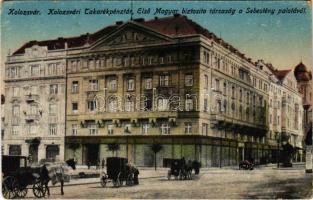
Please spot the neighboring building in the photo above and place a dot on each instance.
(2, 121)
(304, 79)
(292, 111)
(172, 82)
(35, 103)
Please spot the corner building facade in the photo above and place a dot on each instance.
(171, 82)
(168, 81)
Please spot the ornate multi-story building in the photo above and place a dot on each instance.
(35, 101)
(169, 81)
(304, 78)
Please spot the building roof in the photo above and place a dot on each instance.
(302, 73)
(177, 25)
(281, 74)
(72, 42)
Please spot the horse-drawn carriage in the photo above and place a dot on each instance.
(18, 178)
(179, 169)
(119, 171)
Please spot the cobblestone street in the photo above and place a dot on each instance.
(212, 183)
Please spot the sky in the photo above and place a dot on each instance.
(281, 39)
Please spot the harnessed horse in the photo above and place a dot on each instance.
(55, 172)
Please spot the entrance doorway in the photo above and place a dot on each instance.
(91, 153)
(52, 151)
(15, 150)
(33, 152)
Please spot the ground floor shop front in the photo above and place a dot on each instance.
(36, 149)
(210, 151)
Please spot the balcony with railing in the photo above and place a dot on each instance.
(31, 98)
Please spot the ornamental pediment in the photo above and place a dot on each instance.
(36, 51)
(130, 36)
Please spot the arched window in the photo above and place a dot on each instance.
(129, 104)
(225, 105)
(112, 104)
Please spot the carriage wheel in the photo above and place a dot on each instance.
(39, 189)
(130, 180)
(22, 192)
(9, 187)
(103, 181)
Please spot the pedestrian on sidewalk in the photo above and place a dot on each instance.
(88, 164)
(98, 164)
(103, 163)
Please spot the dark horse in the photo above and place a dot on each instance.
(45, 178)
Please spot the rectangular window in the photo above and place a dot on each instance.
(74, 129)
(16, 91)
(145, 128)
(206, 82)
(15, 130)
(34, 109)
(205, 105)
(52, 109)
(92, 129)
(16, 110)
(75, 107)
(164, 80)
(32, 129)
(130, 84)
(150, 60)
(113, 85)
(54, 89)
(204, 129)
(165, 129)
(75, 87)
(189, 104)
(162, 104)
(92, 105)
(169, 59)
(148, 83)
(34, 70)
(52, 129)
(129, 104)
(13, 72)
(52, 68)
(188, 80)
(90, 63)
(74, 65)
(93, 85)
(188, 128)
(110, 129)
(127, 129)
(33, 89)
(217, 85)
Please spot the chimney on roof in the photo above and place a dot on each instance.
(65, 45)
(119, 22)
(139, 20)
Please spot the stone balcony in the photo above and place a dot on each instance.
(31, 98)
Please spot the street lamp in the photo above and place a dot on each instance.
(278, 138)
